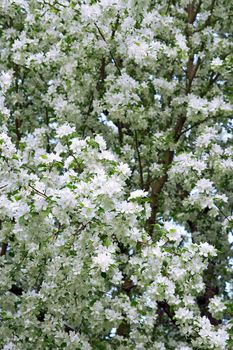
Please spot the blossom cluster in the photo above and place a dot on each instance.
(115, 174)
(68, 224)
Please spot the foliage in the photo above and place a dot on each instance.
(116, 171)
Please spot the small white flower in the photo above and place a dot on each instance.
(174, 232)
(138, 194)
(124, 169)
(204, 185)
(181, 42)
(183, 314)
(9, 346)
(217, 62)
(103, 259)
(101, 142)
(207, 249)
(5, 80)
(65, 130)
(216, 305)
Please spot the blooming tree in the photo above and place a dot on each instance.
(115, 164)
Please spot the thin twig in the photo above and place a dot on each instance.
(38, 192)
(201, 122)
(111, 54)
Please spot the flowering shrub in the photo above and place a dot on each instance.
(115, 175)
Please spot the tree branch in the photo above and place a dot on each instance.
(110, 51)
(191, 72)
(38, 192)
(139, 160)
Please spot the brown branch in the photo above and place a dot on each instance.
(139, 160)
(38, 192)
(166, 308)
(192, 12)
(192, 72)
(201, 122)
(157, 187)
(120, 133)
(102, 74)
(203, 303)
(124, 327)
(18, 122)
(4, 244)
(155, 192)
(4, 248)
(208, 20)
(82, 227)
(212, 80)
(16, 290)
(17, 130)
(148, 181)
(115, 26)
(110, 51)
